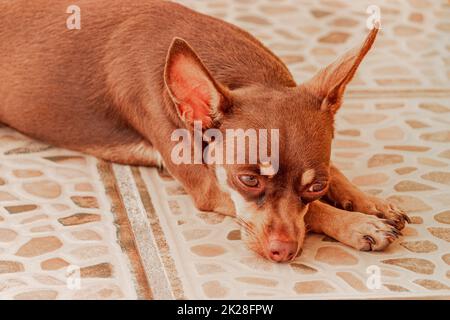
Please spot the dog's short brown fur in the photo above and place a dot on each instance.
(135, 72)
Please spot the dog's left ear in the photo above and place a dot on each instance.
(329, 84)
(197, 96)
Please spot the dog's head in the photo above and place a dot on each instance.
(293, 124)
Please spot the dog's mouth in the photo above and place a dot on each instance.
(280, 253)
(279, 257)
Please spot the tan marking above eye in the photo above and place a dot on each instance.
(308, 176)
(266, 169)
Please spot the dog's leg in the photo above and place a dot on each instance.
(345, 195)
(360, 231)
(138, 153)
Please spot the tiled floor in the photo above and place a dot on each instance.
(131, 233)
(56, 225)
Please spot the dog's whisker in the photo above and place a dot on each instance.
(247, 227)
(244, 223)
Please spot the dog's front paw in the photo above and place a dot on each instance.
(378, 207)
(369, 233)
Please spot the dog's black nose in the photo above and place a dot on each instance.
(281, 251)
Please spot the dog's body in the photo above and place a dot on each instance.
(121, 85)
(79, 81)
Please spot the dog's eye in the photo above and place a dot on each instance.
(317, 187)
(249, 181)
(314, 192)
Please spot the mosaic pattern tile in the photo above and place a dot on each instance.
(411, 51)
(56, 226)
(134, 233)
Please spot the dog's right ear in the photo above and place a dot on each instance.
(194, 92)
(329, 84)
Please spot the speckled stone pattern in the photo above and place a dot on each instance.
(56, 226)
(134, 233)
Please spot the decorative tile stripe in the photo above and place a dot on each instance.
(125, 233)
(145, 239)
(163, 247)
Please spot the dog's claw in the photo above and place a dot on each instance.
(374, 234)
(406, 218)
(393, 234)
(376, 207)
(370, 239)
(390, 222)
(401, 216)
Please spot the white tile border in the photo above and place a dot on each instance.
(145, 240)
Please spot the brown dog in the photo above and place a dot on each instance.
(119, 87)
